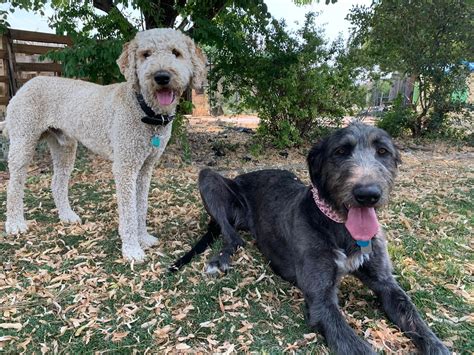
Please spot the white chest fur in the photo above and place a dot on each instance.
(350, 263)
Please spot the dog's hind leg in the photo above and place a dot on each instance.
(213, 231)
(22, 149)
(63, 153)
(222, 201)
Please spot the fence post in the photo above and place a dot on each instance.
(3, 149)
(11, 65)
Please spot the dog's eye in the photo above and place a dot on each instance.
(341, 151)
(176, 53)
(146, 54)
(382, 151)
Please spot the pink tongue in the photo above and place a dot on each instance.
(165, 97)
(362, 223)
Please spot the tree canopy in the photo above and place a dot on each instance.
(99, 27)
(290, 79)
(429, 40)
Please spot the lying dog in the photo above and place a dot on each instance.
(128, 123)
(313, 236)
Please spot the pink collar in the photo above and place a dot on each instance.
(325, 208)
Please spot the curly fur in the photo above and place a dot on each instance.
(106, 119)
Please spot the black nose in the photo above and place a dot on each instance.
(367, 195)
(162, 77)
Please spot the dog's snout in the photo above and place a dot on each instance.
(367, 195)
(162, 77)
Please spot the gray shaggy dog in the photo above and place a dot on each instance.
(312, 236)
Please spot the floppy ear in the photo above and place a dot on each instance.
(127, 63)
(398, 156)
(199, 60)
(315, 160)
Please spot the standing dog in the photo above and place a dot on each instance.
(313, 236)
(128, 123)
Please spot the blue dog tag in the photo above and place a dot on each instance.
(155, 141)
(365, 246)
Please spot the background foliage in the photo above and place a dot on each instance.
(297, 82)
(398, 119)
(294, 81)
(429, 40)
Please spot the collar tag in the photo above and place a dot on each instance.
(365, 246)
(155, 141)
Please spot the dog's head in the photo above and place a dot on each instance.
(354, 167)
(160, 64)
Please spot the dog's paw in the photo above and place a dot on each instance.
(69, 217)
(133, 253)
(16, 226)
(147, 240)
(436, 347)
(218, 264)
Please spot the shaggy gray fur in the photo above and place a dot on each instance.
(355, 166)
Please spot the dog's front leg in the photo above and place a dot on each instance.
(376, 274)
(145, 239)
(126, 184)
(317, 278)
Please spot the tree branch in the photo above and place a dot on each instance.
(104, 5)
(107, 6)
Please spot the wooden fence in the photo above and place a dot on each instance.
(19, 62)
(19, 55)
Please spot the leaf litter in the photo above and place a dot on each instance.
(65, 287)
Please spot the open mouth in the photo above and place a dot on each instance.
(362, 222)
(165, 96)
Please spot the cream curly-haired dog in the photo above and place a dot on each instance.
(126, 123)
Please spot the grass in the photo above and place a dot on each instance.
(65, 288)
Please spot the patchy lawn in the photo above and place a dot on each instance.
(64, 288)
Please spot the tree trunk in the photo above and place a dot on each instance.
(104, 5)
(161, 13)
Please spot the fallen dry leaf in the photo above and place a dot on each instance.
(16, 326)
(118, 336)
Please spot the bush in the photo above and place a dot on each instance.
(284, 135)
(398, 120)
(294, 81)
(179, 134)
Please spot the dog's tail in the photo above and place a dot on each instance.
(213, 231)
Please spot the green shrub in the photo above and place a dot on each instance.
(179, 134)
(398, 120)
(283, 135)
(294, 81)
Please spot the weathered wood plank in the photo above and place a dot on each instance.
(39, 37)
(38, 67)
(31, 49)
